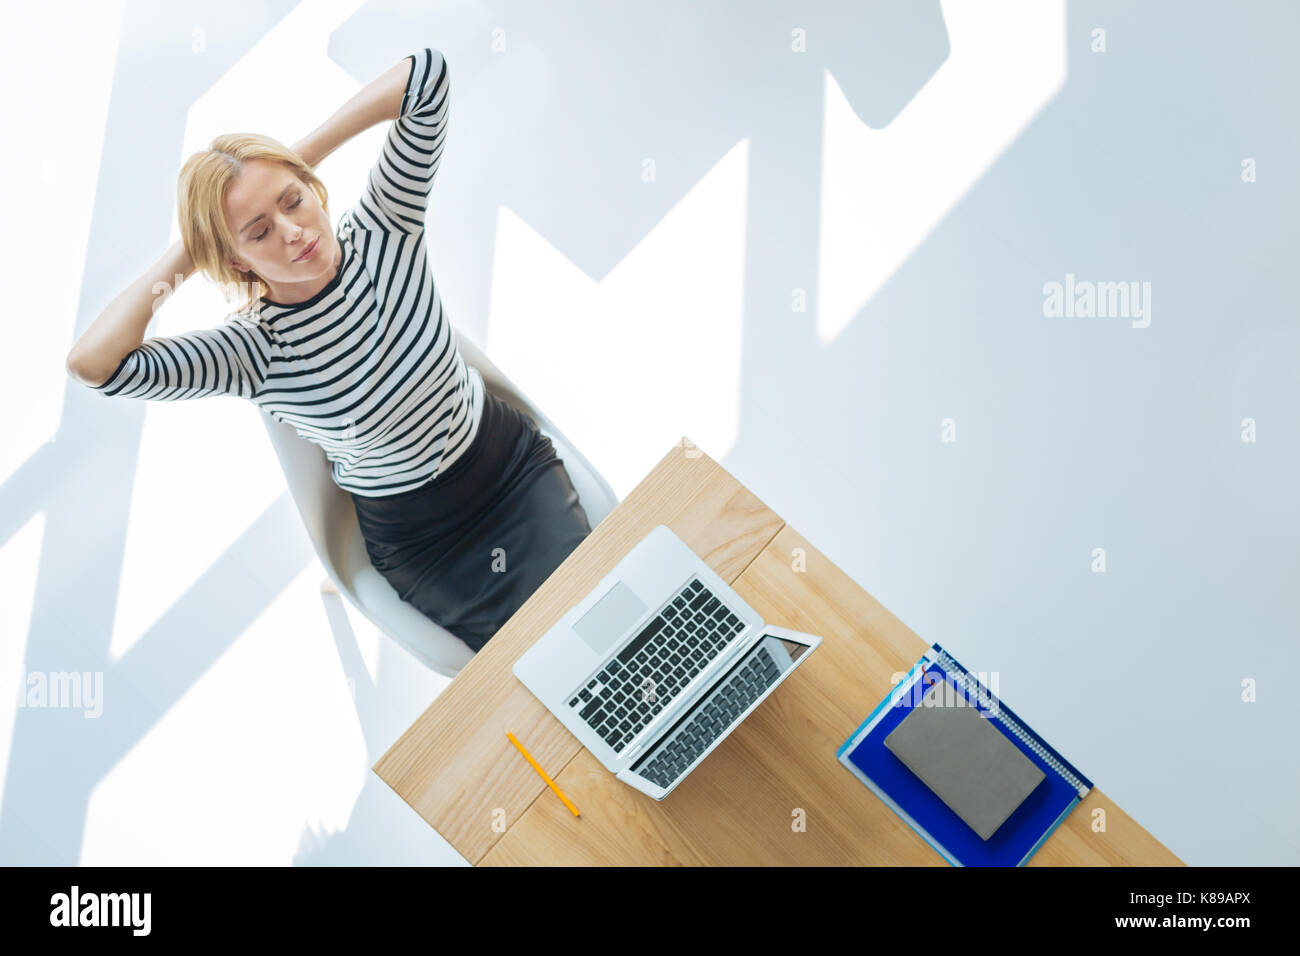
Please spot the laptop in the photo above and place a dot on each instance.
(658, 664)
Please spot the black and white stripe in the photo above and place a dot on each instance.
(398, 187)
(231, 359)
(368, 367)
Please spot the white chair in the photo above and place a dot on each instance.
(331, 520)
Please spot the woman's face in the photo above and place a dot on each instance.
(275, 219)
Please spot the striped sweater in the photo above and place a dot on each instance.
(368, 368)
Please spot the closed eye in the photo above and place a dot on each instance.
(263, 235)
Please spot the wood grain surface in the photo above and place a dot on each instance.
(772, 793)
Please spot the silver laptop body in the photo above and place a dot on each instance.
(658, 664)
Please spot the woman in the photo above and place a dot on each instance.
(462, 502)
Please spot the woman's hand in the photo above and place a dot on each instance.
(308, 152)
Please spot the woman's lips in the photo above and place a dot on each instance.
(310, 251)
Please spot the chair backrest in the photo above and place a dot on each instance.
(330, 518)
(594, 493)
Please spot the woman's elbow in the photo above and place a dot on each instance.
(78, 370)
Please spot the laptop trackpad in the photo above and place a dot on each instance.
(609, 618)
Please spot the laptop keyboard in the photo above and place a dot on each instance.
(644, 677)
(712, 717)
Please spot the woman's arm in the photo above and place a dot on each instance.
(120, 328)
(379, 100)
(396, 197)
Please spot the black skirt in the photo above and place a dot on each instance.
(472, 544)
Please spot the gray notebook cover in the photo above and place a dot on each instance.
(966, 760)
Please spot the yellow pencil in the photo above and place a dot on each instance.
(549, 782)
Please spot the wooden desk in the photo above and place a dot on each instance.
(456, 767)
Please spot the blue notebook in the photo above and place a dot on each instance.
(1020, 835)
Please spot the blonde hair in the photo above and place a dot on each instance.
(200, 194)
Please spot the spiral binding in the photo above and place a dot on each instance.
(986, 699)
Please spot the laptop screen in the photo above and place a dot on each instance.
(712, 715)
